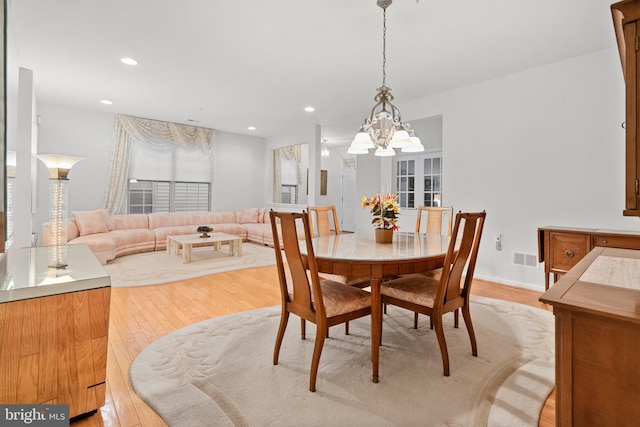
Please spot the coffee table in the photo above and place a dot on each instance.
(189, 241)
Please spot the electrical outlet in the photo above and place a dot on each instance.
(498, 242)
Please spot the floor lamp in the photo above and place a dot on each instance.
(59, 166)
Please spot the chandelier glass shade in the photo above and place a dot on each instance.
(384, 129)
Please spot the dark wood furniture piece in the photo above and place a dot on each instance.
(561, 248)
(597, 317)
(325, 303)
(359, 255)
(626, 20)
(450, 292)
(54, 327)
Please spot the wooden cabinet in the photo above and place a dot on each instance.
(597, 323)
(626, 20)
(561, 248)
(54, 327)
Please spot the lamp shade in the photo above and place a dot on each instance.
(385, 152)
(363, 140)
(357, 150)
(59, 165)
(400, 139)
(415, 146)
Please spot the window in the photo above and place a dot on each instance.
(289, 194)
(405, 183)
(432, 181)
(414, 191)
(166, 196)
(178, 180)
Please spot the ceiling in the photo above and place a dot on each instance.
(231, 64)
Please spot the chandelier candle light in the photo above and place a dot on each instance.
(384, 129)
(59, 167)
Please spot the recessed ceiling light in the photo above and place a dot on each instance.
(106, 102)
(251, 128)
(309, 109)
(129, 61)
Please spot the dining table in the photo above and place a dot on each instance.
(359, 255)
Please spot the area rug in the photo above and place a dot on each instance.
(151, 268)
(220, 372)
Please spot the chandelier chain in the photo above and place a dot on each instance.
(384, 46)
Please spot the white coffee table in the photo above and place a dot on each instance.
(190, 241)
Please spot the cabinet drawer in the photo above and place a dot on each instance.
(568, 249)
(624, 242)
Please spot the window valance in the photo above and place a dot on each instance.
(165, 136)
(156, 135)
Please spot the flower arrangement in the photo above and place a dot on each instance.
(204, 229)
(385, 210)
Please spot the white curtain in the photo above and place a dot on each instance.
(156, 135)
(293, 152)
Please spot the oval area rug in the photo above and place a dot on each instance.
(220, 372)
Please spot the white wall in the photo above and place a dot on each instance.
(79, 133)
(238, 172)
(541, 147)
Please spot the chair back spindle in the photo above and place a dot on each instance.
(461, 256)
(321, 219)
(436, 215)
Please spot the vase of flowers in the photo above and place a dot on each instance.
(385, 209)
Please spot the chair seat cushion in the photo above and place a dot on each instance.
(414, 288)
(339, 298)
(347, 280)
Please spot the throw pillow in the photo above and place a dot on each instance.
(107, 219)
(249, 215)
(91, 222)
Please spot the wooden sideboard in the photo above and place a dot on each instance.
(54, 329)
(561, 248)
(597, 326)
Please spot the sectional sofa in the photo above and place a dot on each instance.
(111, 236)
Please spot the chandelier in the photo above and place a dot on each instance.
(384, 129)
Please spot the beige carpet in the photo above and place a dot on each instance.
(219, 372)
(152, 268)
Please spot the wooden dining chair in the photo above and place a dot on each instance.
(320, 220)
(323, 302)
(436, 216)
(435, 297)
(323, 217)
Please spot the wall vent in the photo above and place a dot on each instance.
(525, 260)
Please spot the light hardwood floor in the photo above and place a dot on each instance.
(140, 315)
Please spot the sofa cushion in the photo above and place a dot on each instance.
(132, 237)
(158, 220)
(91, 222)
(222, 217)
(100, 242)
(250, 216)
(233, 228)
(161, 233)
(130, 221)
